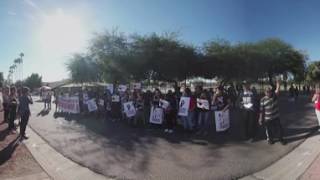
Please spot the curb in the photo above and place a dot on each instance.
(293, 165)
(56, 165)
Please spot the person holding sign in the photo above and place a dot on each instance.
(188, 119)
(220, 105)
(269, 113)
(115, 106)
(170, 112)
(203, 118)
(249, 107)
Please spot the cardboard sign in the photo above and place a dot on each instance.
(115, 98)
(164, 104)
(110, 88)
(184, 106)
(222, 120)
(92, 105)
(122, 88)
(136, 85)
(203, 104)
(129, 109)
(156, 115)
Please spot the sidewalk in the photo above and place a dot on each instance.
(16, 161)
(34, 159)
(57, 166)
(298, 164)
(313, 172)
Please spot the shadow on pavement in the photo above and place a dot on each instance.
(3, 134)
(6, 153)
(43, 112)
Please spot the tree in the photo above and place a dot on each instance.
(33, 81)
(162, 57)
(313, 72)
(1, 79)
(83, 69)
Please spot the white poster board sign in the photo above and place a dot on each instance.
(109, 87)
(92, 105)
(122, 88)
(156, 115)
(69, 104)
(115, 98)
(222, 120)
(184, 106)
(129, 109)
(136, 85)
(203, 104)
(164, 104)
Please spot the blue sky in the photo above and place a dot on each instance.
(37, 27)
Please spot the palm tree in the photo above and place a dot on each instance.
(21, 62)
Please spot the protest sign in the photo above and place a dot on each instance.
(164, 104)
(92, 105)
(136, 85)
(156, 115)
(115, 98)
(203, 104)
(184, 106)
(222, 120)
(69, 104)
(109, 87)
(122, 88)
(129, 109)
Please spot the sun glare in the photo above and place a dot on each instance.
(62, 33)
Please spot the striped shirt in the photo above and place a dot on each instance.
(269, 107)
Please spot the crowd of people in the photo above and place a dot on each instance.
(15, 106)
(255, 110)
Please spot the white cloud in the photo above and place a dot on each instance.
(31, 3)
(11, 13)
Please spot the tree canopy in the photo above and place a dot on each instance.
(33, 81)
(116, 57)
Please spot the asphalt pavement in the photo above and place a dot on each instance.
(120, 151)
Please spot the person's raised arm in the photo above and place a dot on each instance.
(277, 90)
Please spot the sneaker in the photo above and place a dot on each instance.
(166, 130)
(283, 142)
(270, 142)
(170, 131)
(24, 137)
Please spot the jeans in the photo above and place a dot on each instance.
(24, 121)
(188, 121)
(203, 120)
